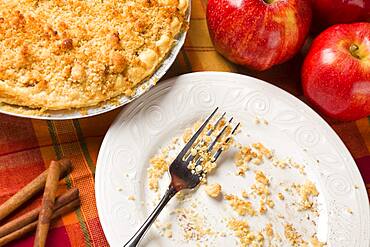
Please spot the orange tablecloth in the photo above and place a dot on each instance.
(28, 146)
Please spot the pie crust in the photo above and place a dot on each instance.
(63, 54)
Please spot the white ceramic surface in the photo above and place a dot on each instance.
(294, 130)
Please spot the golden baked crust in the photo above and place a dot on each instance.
(62, 54)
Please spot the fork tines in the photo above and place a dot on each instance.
(211, 144)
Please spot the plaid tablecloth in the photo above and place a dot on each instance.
(28, 146)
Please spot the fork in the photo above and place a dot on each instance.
(181, 175)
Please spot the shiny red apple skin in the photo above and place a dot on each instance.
(334, 80)
(257, 34)
(329, 12)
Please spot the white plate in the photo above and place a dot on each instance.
(294, 130)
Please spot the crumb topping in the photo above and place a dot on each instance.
(74, 53)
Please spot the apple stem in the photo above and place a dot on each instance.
(268, 1)
(353, 49)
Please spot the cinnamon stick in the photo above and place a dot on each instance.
(31, 189)
(31, 216)
(71, 206)
(47, 204)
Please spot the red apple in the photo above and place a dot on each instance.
(336, 71)
(329, 12)
(258, 33)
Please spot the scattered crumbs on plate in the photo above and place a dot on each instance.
(281, 196)
(245, 194)
(192, 224)
(299, 167)
(269, 230)
(257, 120)
(119, 189)
(288, 163)
(270, 234)
(246, 159)
(187, 135)
(263, 150)
(282, 164)
(244, 155)
(131, 198)
(241, 206)
(270, 203)
(356, 186)
(156, 199)
(293, 236)
(158, 167)
(244, 234)
(261, 178)
(260, 190)
(185, 195)
(349, 210)
(280, 216)
(316, 243)
(213, 190)
(159, 164)
(165, 228)
(181, 195)
(263, 208)
(307, 191)
(256, 153)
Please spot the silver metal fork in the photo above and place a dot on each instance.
(181, 175)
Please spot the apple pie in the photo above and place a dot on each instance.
(63, 54)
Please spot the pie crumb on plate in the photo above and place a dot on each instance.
(262, 200)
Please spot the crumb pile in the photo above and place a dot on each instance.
(245, 235)
(213, 190)
(241, 206)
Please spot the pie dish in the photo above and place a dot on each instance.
(58, 55)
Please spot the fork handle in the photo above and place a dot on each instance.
(134, 241)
